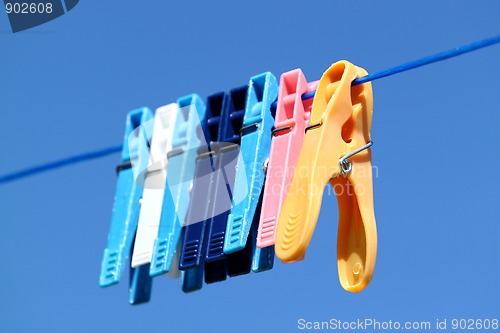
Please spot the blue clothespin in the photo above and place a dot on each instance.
(193, 245)
(216, 262)
(188, 137)
(204, 234)
(254, 151)
(135, 156)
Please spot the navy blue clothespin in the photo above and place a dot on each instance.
(126, 207)
(229, 139)
(204, 233)
(250, 175)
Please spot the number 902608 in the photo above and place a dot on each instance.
(28, 8)
(474, 324)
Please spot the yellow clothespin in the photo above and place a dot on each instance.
(335, 150)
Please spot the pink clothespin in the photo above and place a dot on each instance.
(292, 118)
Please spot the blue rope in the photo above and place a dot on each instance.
(371, 77)
(60, 163)
(421, 62)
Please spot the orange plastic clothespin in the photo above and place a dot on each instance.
(335, 150)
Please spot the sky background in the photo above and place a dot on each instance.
(66, 87)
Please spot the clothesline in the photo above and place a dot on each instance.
(371, 77)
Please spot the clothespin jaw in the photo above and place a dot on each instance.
(140, 285)
(189, 135)
(335, 150)
(154, 184)
(254, 150)
(288, 135)
(128, 193)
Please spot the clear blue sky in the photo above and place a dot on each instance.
(67, 86)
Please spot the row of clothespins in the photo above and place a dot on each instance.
(210, 191)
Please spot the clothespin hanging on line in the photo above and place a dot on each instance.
(126, 207)
(335, 150)
(155, 185)
(292, 117)
(233, 111)
(193, 232)
(254, 151)
(188, 137)
(202, 248)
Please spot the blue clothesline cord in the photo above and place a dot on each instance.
(60, 163)
(421, 62)
(371, 77)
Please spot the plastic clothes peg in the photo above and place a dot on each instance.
(188, 137)
(335, 150)
(154, 184)
(227, 151)
(193, 244)
(254, 151)
(126, 207)
(203, 241)
(292, 118)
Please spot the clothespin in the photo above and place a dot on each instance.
(254, 150)
(193, 233)
(292, 117)
(188, 137)
(335, 150)
(217, 264)
(203, 241)
(154, 184)
(126, 206)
